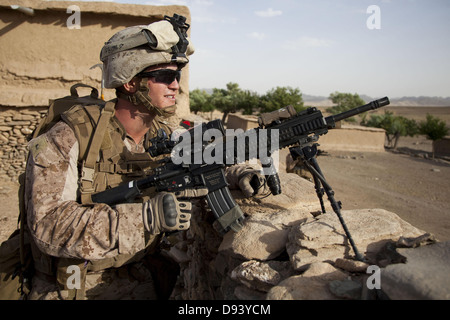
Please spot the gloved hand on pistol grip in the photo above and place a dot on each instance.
(165, 212)
(251, 182)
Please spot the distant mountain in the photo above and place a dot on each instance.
(421, 101)
(207, 90)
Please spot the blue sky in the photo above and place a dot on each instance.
(320, 46)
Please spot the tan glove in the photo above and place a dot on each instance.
(250, 180)
(165, 212)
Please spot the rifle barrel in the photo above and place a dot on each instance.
(352, 112)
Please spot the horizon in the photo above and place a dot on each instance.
(394, 48)
(361, 95)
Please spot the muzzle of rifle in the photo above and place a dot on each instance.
(331, 120)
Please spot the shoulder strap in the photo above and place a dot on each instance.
(92, 152)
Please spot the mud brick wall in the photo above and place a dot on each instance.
(16, 126)
(42, 57)
(442, 147)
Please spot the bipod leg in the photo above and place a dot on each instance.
(319, 191)
(308, 156)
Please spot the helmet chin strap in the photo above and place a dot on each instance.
(142, 97)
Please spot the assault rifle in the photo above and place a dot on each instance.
(202, 163)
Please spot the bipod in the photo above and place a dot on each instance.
(308, 156)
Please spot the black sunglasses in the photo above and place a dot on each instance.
(166, 76)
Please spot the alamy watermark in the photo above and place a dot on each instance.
(74, 280)
(374, 281)
(233, 147)
(373, 22)
(74, 20)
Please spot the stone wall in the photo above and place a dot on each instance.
(15, 129)
(286, 250)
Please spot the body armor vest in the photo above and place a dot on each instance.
(112, 164)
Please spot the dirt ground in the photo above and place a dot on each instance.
(404, 182)
(415, 188)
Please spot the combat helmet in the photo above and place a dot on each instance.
(132, 50)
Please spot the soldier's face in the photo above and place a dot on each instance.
(164, 87)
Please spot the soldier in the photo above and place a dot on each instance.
(83, 250)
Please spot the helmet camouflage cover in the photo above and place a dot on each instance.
(134, 49)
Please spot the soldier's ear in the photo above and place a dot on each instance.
(132, 86)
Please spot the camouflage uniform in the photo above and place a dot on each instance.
(114, 248)
(61, 227)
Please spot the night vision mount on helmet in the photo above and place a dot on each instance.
(180, 27)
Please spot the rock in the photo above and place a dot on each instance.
(425, 239)
(244, 293)
(351, 265)
(388, 255)
(256, 275)
(19, 123)
(323, 239)
(265, 231)
(296, 193)
(424, 276)
(178, 255)
(263, 236)
(261, 276)
(19, 116)
(346, 289)
(311, 285)
(26, 131)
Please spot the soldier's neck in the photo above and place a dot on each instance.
(136, 120)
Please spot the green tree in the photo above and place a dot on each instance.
(281, 97)
(344, 102)
(200, 101)
(249, 102)
(395, 126)
(433, 128)
(227, 100)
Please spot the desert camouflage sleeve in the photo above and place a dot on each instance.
(59, 225)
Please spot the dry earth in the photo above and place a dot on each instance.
(415, 188)
(403, 182)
